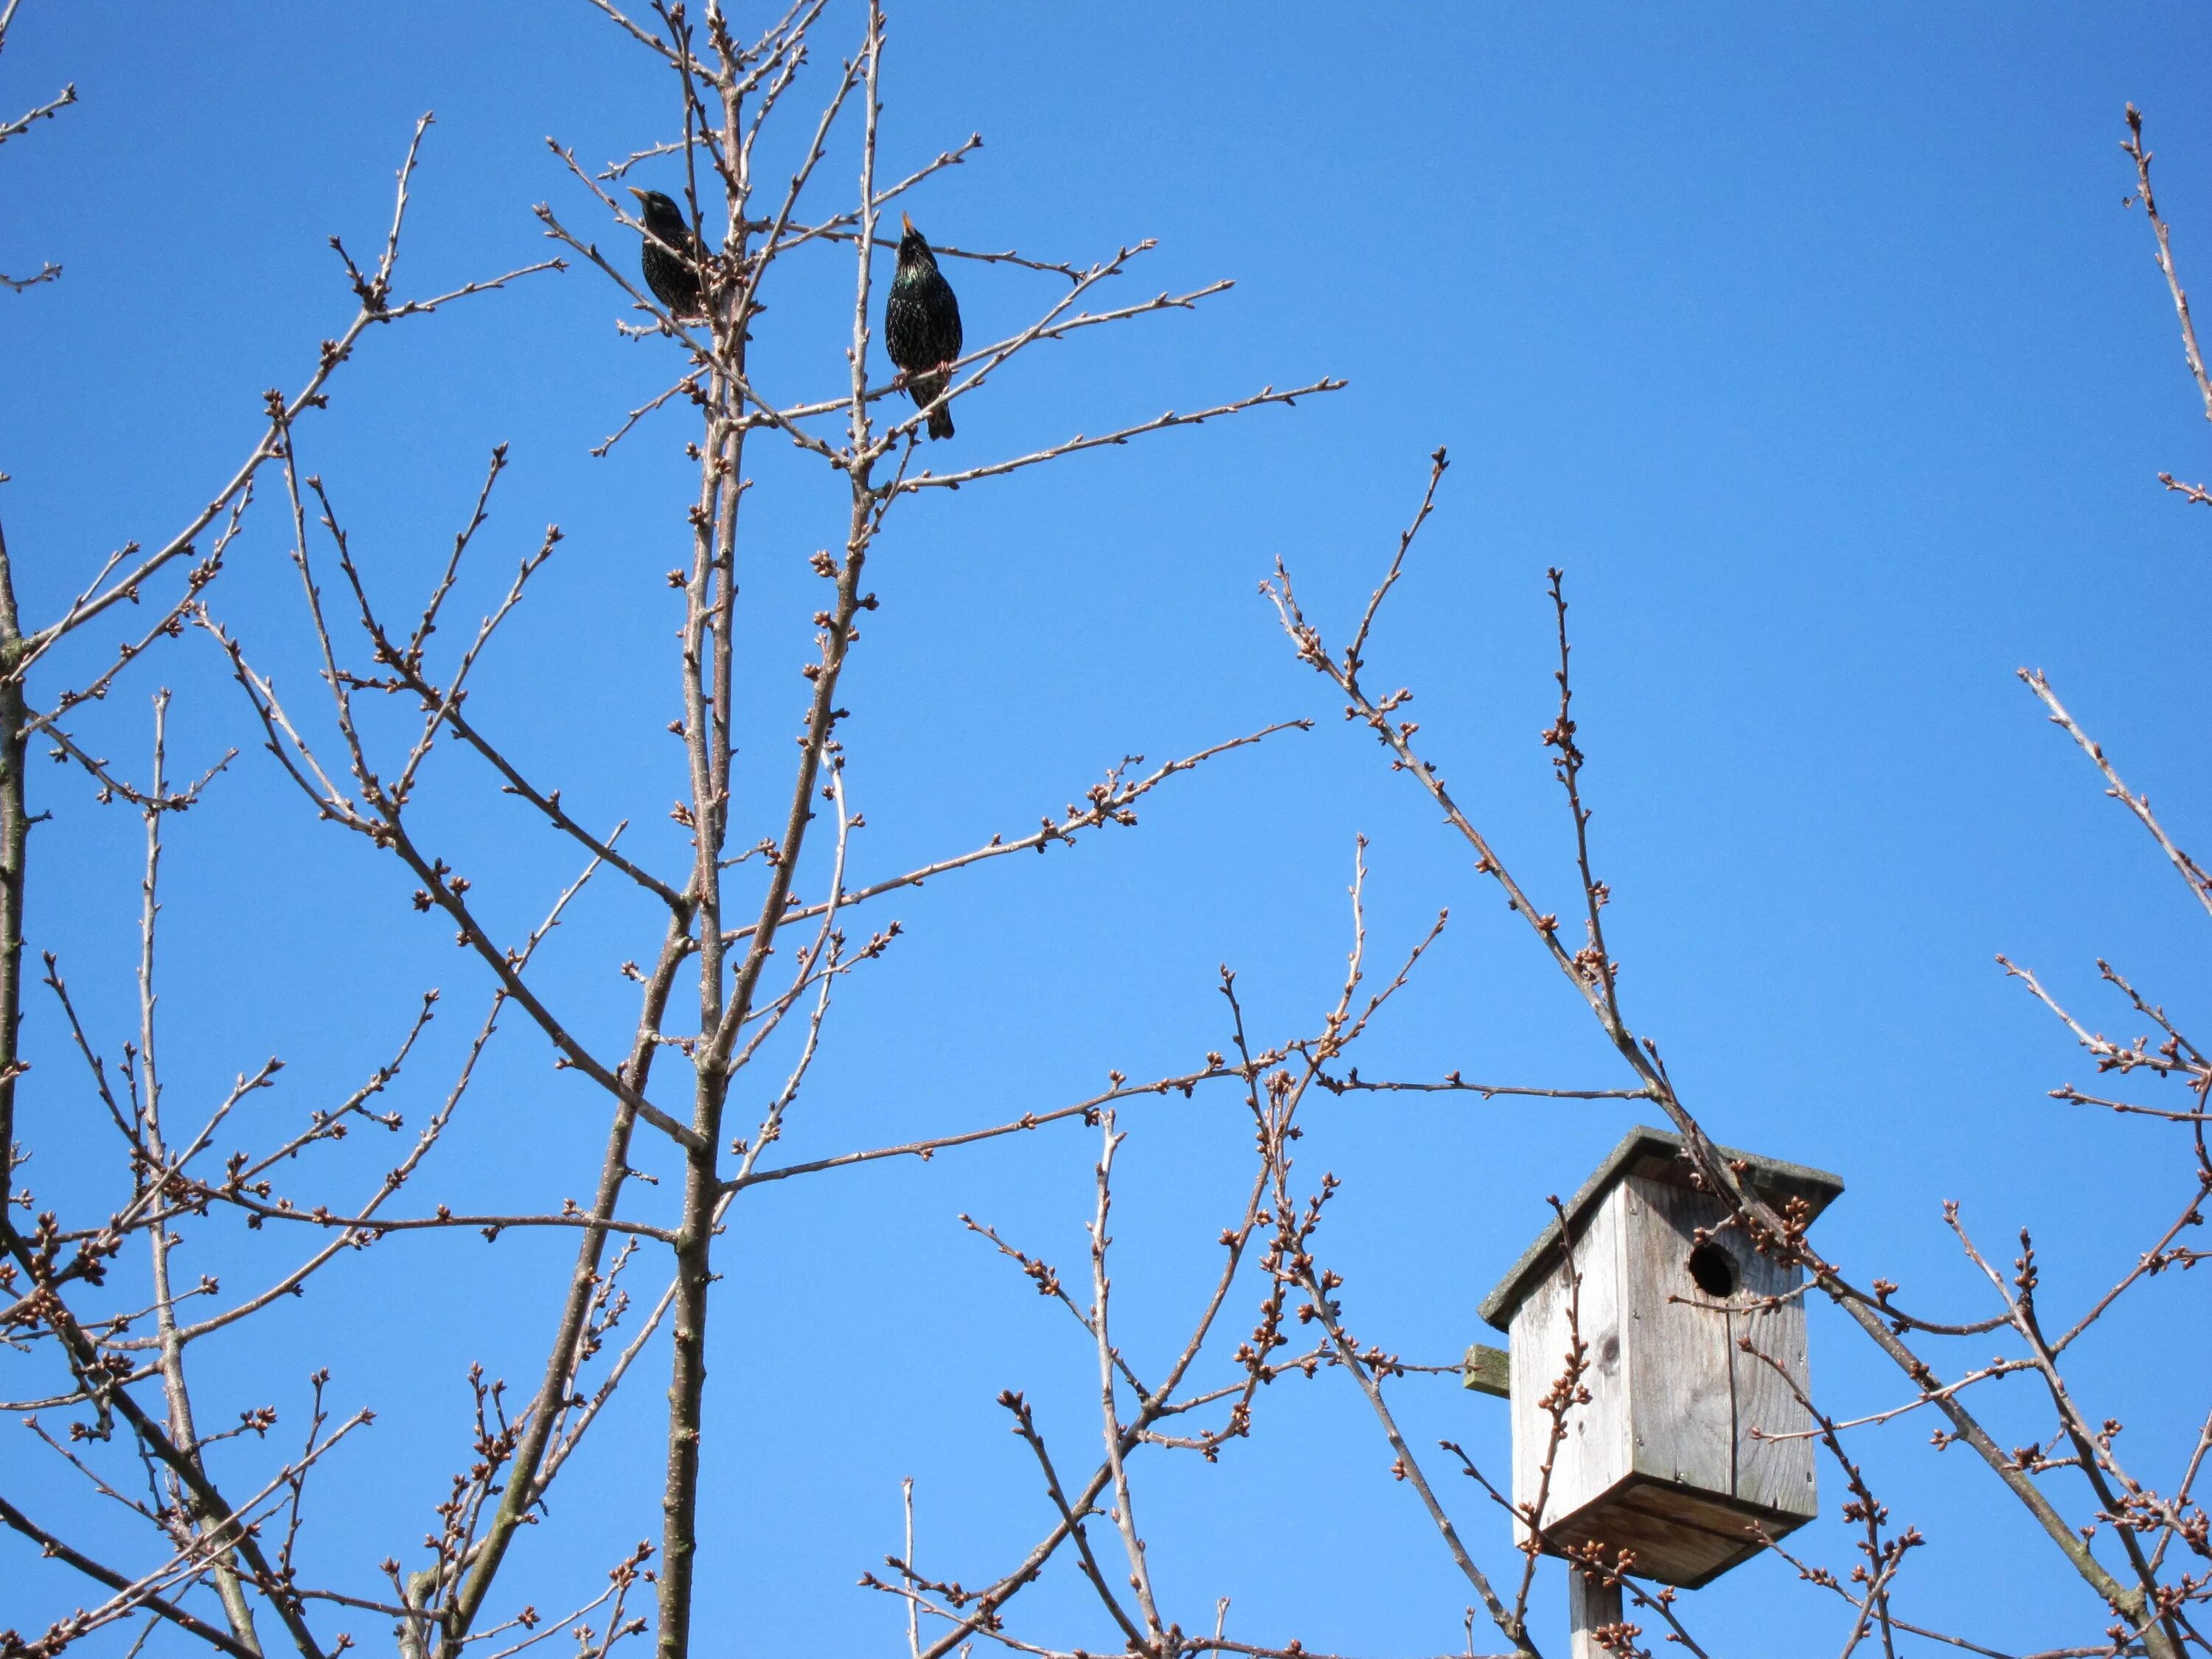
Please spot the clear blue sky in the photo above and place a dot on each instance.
(1813, 342)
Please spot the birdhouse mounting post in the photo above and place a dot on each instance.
(1592, 1605)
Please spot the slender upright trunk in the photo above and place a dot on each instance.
(14, 844)
(709, 679)
(183, 1433)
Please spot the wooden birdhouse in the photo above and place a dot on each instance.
(1663, 1460)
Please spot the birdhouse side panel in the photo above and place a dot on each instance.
(1679, 1378)
(1775, 1475)
(1594, 1453)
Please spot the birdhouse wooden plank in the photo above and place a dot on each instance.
(1769, 1473)
(1663, 1460)
(1598, 1441)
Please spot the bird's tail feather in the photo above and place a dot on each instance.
(940, 421)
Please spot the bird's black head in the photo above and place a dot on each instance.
(913, 247)
(662, 217)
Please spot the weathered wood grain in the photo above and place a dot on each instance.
(1594, 1455)
(1775, 1475)
(1668, 1546)
(1487, 1371)
(1590, 1607)
(1679, 1378)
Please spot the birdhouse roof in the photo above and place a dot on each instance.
(1657, 1155)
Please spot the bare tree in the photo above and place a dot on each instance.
(2139, 1541)
(216, 1555)
(2074, 1482)
(756, 932)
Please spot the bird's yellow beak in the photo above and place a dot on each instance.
(635, 191)
(907, 223)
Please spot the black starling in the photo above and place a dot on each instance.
(672, 256)
(921, 327)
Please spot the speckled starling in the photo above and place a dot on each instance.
(672, 256)
(921, 327)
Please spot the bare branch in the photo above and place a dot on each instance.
(2133, 144)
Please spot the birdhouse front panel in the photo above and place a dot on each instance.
(1689, 1439)
(1701, 1405)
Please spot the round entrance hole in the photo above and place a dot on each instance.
(1712, 1269)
